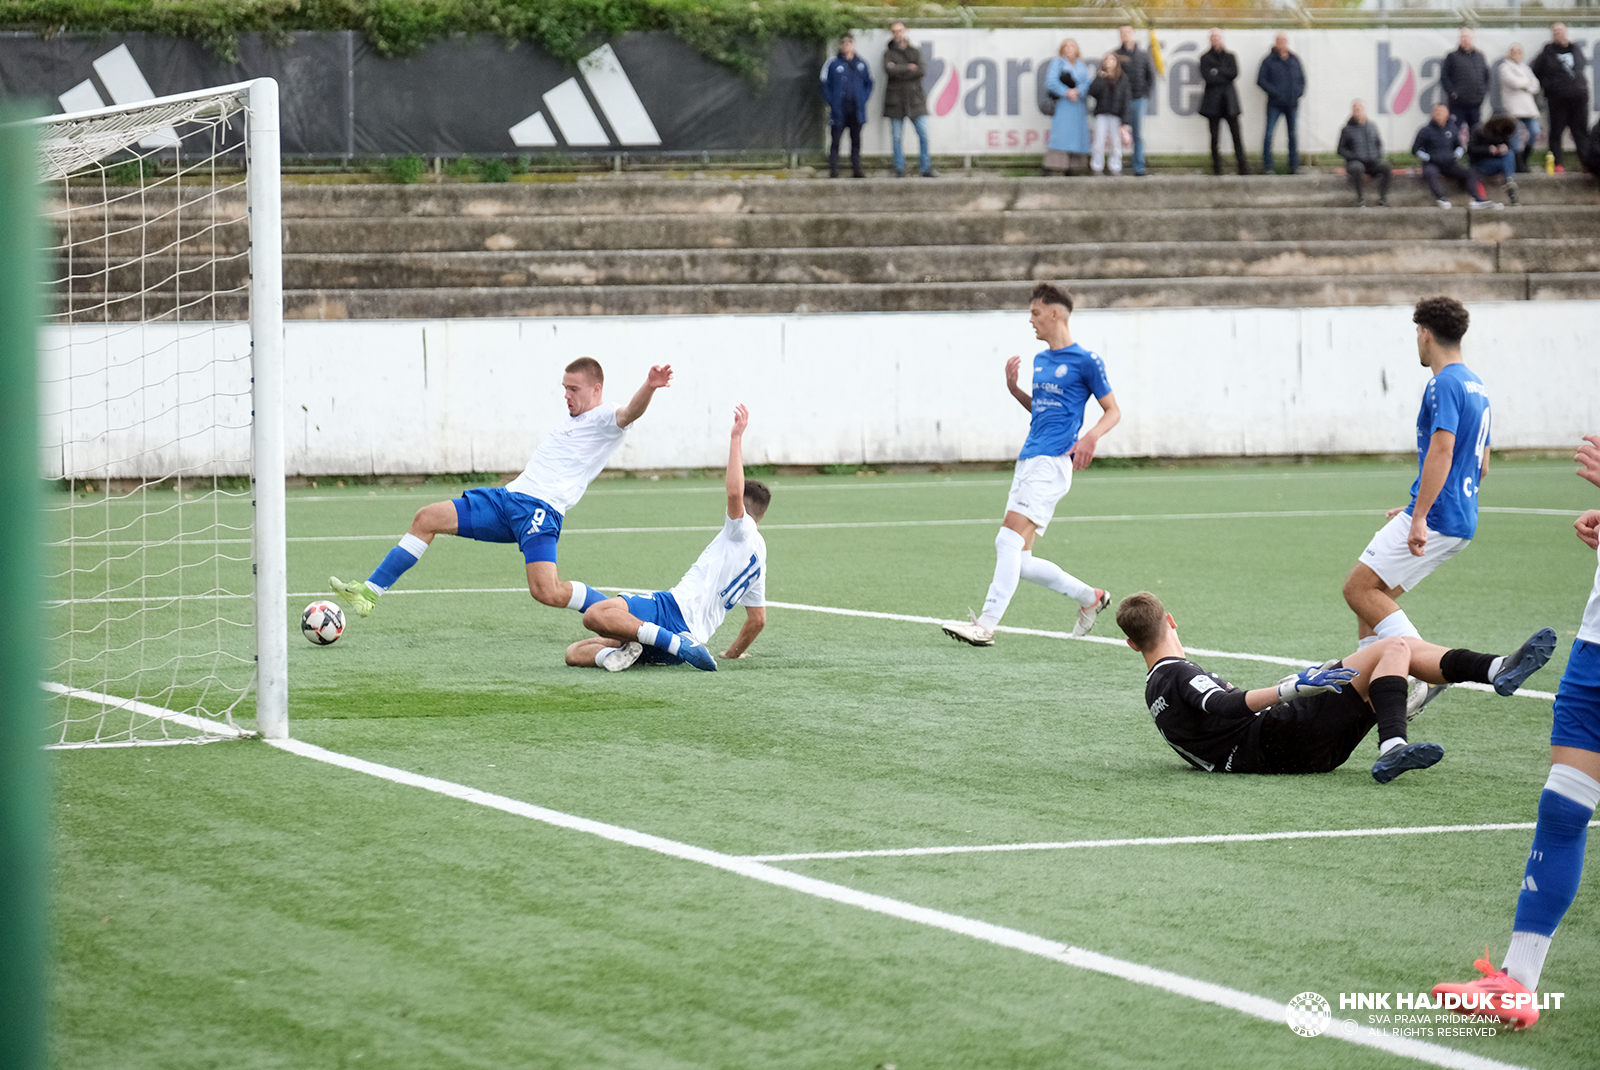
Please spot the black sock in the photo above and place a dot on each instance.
(1463, 666)
(1388, 697)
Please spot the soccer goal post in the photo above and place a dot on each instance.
(161, 404)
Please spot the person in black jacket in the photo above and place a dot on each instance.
(904, 99)
(1560, 70)
(1439, 144)
(1220, 102)
(1110, 102)
(1362, 150)
(846, 85)
(1464, 81)
(1283, 79)
(1491, 152)
(1140, 72)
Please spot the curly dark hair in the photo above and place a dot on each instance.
(1445, 316)
(1500, 129)
(1051, 294)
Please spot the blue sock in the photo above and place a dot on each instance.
(584, 596)
(650, 635)
(1555, 864)
(594, 597)
(402, 557)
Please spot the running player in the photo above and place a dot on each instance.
(1452, 461)
(1310, 722)
(1064, 377)
(1566, 806)
(528, 510)
(670, 627)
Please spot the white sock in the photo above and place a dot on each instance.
(1051, 575)
(1007, 571)
(1397, 623)
(580, 594)
(375, 589)
(1495, 666)
(651, 635)
(603, 653)
(1366, 641)
(1525, 958)
(1390, 744)
(413, 545)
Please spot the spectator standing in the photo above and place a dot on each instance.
(1220, 102)
(1517, 87)
(904, 98)
(1464, 81)
(1140, 72)
(1067, 80)
(846, 85)
(1110, 97)
(1283, 79)
(1438, 145)
(1362, 150)
(1560, 70)
(1491, 152)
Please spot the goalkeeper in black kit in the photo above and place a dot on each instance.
(1313, 721)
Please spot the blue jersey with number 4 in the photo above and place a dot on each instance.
(1063, 382)
(1454, 401)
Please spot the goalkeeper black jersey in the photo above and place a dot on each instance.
(1203, 717)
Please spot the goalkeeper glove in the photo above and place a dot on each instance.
(1314, 680)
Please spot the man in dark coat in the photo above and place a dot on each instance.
(1440, 144)
(1464, 81)
(1560, 70)
(1220, 103)
(1362, 151)
(846, 85)
(903, 98)
(1141, 74)
(1283, 79)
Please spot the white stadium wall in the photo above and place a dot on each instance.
(984, 98)
(419, 396)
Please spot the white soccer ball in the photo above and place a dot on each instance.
(322, 622)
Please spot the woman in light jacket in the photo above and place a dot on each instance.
(1517, 87)
(1067, 80)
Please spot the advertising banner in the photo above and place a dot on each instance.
(983, 86)
(642, 92)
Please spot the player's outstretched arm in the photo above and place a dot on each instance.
(735, 478)
(1435, 470)
(1013, 370)
(1312, 680)
(755, 619)
(1082, 451)
(660, 376)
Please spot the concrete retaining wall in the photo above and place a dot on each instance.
(413, 396)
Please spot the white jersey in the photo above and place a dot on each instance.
(731, 571)
(569, 458)
(1589, 630)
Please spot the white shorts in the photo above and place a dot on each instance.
(1389, 556)
(1040, 482)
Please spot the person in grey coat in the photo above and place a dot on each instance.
(1464, 81)
(1220, 102)
(904, 99)
(1362, 150)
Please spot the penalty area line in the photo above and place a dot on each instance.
(1260, 1007)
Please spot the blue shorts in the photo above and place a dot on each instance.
(1577, 710)
(660, 609)
(494, 514)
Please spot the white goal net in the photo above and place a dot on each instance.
(160, 394)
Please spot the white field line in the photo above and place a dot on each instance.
(215, 729)
(1232, 999)
(1145, 841)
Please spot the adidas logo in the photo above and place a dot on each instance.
(579, 126)
(126, 83)
(1528, 885)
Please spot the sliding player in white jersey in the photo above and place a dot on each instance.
(1063, 379)
(528, 510)
(671, 627)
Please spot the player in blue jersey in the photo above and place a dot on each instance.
(1566, 806)
(1065, 377)
(528, 510)
(1452, 461)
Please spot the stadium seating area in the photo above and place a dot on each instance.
(620, 246)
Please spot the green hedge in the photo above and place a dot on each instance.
(732, 32)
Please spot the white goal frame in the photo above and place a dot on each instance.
(264, 198)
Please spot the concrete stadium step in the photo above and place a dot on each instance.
(1323, 290)
(957, 194)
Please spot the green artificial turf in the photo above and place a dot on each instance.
(232, 905)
